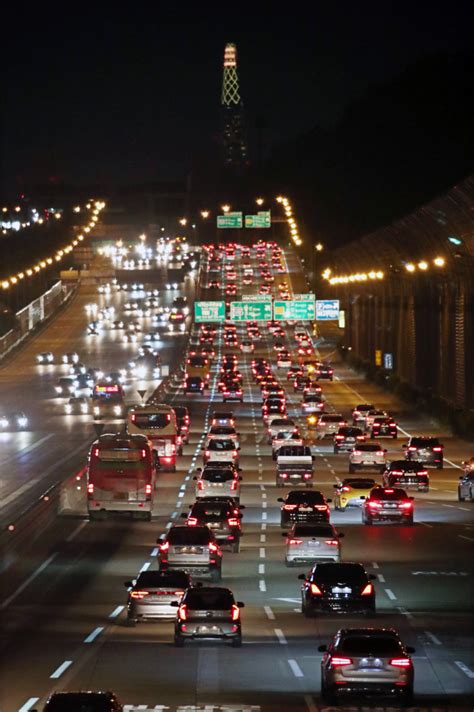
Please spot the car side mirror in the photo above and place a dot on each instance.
(174, 604)
(240, 479)
(301, 577)
(195, 478)
(363, 497)
(239, 469)
(410, 649)
(404, 447)
(284, 534)
(241, 604)
(198, 469)
(341, 535)
(412, 498)
(329, 499)
(280, 499)
(461, 477)
(313, 457)
(336, 486)
(241, 506)
(241, 516)
(128, 584)
(323, 648)
(183, 516)
(372, 577)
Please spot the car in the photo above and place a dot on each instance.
(194, 384)
(347, 437)
(364, 456)
(45, 357)
(312, 542)
(371, 415)
(152, 592)
(407, 474)
(83, 701)
(78, 405)
(303, 506)
(182, 423)
(232, 392)
(13, 421)
(285, 437)
(312, 403)
(65, 386)
(222, 516)
(208, 613)
(224, 449)
(383, 426)
(273, 406)
(223, 417)
(351, 492)
(360, 411)
(342, 587)
(466, 482)
(328, 424)
(70, 357)
(366, 660)
(425, 449)
(247, 347)
(293, 372)
(191, 549)
(387, 504)
(324, 371)
(217, 481)
(280, 424)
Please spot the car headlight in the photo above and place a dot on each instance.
(96, 410)
(117, 409)
(84, 408)
(3, 423)
(39, 359)
(22, 422)
(58, 389)
(64, 359)
(68, 408)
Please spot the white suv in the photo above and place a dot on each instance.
(367, 456)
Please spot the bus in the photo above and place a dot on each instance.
(108, 400)
(158, 422)
(121, 476)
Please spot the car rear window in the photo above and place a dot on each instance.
(313, 530)
(295, 451)
(217, 475)
(331, 418)
(424, 442)
(364, 645)
(152, 579)
(340, 573)
(222, 445)
(394, 494)
(368, 448)
(188, 535)
(359, 484)
(406, 466)
(213, 599)
(278, 422)
(210, 512)
(301, 496)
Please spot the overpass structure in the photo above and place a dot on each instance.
(408, 291)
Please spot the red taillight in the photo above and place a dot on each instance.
(207, 453)
(148, 489)
(183, 612)
(380, 453)
(423, 472)
(405, 505)
(332, 542)
(95, 452)
(374, 505)
(367, 590)
(360, 437)
(437, 449)
(315, 590)
(192, 521)
(164, 547)
(340, 662)
(307, 475)
(234, 453)
(233, 522)
(321, 507)
(295, 541)
(200, 485)
(90, 488)
(412, 449)
(139, 594)
(389, 491)
(233, 485)
(235, 612)
(213, 547)
(400, 662)
(133, 417)
(143, 453)
(290, 506)
(356, 452)
(339, 437)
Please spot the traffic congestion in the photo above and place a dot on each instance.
(269, 491)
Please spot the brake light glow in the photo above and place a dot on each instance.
(345, 489)
(315, 590)
(148, 489)
(321, 507)
(164, 547)
(90, 488)
(375, 505)
(405, 505)
(380, 453)
(389, 491)
(290, 507)
(213, 547)
(400, 662)
(200, 485)
(233, 485)
(295, 541)
(437, 449)
(183, 612)
(367, 590)
(235, 612)
(233, 522)
(332, 542)
(192, 521)
(139, 594)
(340, 662)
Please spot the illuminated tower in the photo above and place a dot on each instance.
(234, 148)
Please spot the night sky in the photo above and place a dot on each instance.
(115, 98)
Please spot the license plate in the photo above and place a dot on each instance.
(367, 462)
(341, 589)
(304, 509)
(313, 543)
(121, 495)
(390, 506)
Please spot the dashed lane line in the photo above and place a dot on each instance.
(281, 636)
(390, 594)
(295, 668)
(62, 668)
(467, 671)
(28, 704)
(269, 613)
(116, 612)
(95, 633)
(433, 638)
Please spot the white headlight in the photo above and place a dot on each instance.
(58, 389)
(117, 410)
(22, 422)
(96, 410)
(68, 408)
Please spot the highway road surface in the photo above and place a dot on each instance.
(65, 628)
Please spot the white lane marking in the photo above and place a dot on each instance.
(92, 636)
(264, 505)
(464, 509)
(295, 668)
(26, 583)
(311, 704)
(168, 525)
(262, 487)
(262, 552)
(154, 552)
(76, 531)
(174, 515)
(116, 612)
(375, 565)
(26, 449)
(145, 566)
(281, 636)
(264, 516)
(425, 524)
(18, 491)
(381, 578)
(263, 527)
(434, 639)
(262, 585)
(62, 668)
(453, 506)
(180, 494)
(390, 594)
(469, 538)
(467, 671)
(261, 568)
(264, 495)
(28, 704)
(269, 613)
(263, 538)
(403, 611)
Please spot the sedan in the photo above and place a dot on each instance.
(151, 594)
(208, 613)
(222, 516)
(347, 438)
(89, 701)
(302, 506)
(218, 481)
(13, 421)
(76, 406)
(312, 542)
(340, 587)
(407, 474)
(366, 660)
(466, 485)
(367, 456)
(388, 504)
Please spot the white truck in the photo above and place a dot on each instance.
(294, 465)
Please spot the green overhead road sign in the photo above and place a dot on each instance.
(257, 297)
(230, 220)
(261, 220)
(294, 310)
(251, 311)
(209, 311)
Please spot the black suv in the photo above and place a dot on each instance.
(407, 474)
(340, 587)
(425, 449)
(302, 506)
(347, 438)
(208, 613)
(221, 516)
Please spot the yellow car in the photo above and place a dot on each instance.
(349, 492)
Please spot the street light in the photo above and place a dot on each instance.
(259, 201)
(142, 237)
(183, 221)
(318, 247)
(225, 208)
(204, 214)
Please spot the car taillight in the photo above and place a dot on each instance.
(360, 437)
(139, 594)
(374, 505)
(235, 612)
(423, 472)
(192, 521)
(380, 453)
(342, 423)
(388, 491)
(234, 453)
(148, 489)
(332, 542)
(405, 505)
(437, 449)
(200, 485)
(207, 453)
(412, 449)
(233, 485)
(164, 547)
(90, 488)
(340, 662)
(367, 590)
(356, 452)
(284, 476)
(295, 542)
(183, 612)
(339, 437)
(321, 507)
(315, 590)
(400, 662)
(345, 489)
(290, 506)
(233, 522)
(307, 475)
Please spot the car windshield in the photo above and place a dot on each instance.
(189, 536)
(158, 579)
(300, 496)
(78, 702)
(221, 445)
(366, 645)
(340, 573)
(313, 530)
(210, 599)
